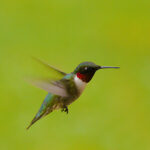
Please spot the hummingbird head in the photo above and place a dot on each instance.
(86, 70)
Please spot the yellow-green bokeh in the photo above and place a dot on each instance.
(114, 111)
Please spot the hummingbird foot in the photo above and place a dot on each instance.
(65, 109)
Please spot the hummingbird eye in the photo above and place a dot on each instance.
(85, 68)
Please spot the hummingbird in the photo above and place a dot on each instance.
(61, 93)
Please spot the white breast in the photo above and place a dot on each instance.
(80, 84)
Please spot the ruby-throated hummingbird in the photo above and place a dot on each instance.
(63, 92)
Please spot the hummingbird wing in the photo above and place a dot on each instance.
(50, 67)
(46, 83)
(53, 87)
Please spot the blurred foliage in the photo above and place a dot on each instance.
(114, 111)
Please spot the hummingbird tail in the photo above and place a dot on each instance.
(33, 121)
(44, 110)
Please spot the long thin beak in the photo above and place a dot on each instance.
(106, 67)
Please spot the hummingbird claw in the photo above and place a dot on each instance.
(65, 109)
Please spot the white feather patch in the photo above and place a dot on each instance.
(80, 84)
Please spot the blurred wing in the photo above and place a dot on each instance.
(53, 87)
(50, 67)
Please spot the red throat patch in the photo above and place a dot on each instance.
(85, 77)
(81, 76)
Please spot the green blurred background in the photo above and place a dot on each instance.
(114, 111)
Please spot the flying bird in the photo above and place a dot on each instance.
(61, 93)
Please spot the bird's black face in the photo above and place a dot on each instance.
(85, 71)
